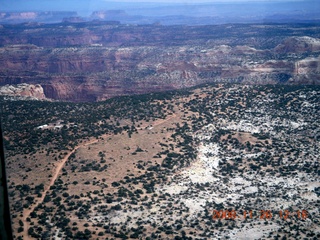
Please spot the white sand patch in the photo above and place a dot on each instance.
(198, 174)
(242, 125)
(306, 104)
(208, 161)
(218, 200)
(309, 195)
(252, 155)
(309, 185)
(282, 182)
(56, 235)
(121, 216)
(241, 181)
(195, 205)
(256, 232)
(295, 125)
(208, 155)
(251, 189)
(174, 189)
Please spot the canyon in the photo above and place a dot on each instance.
(94, 61)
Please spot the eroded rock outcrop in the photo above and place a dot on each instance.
(23, 90)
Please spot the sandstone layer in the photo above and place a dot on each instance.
(96, 61)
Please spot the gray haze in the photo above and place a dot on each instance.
(178, 13)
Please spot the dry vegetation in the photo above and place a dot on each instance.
(156, 166)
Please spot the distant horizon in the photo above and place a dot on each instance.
(198, 2)
(212, 8)
(204, 1)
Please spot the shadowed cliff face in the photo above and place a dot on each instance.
(116, 60)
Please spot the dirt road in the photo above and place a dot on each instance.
(37, 201)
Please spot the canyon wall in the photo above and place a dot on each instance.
(100, 69)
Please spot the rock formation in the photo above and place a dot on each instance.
(23, 90)
(127, 62)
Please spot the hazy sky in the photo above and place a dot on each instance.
(206, 1)
(87, 6)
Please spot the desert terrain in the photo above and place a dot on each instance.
(217, 161)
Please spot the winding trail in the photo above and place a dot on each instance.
(59, 166)
(159, 121)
